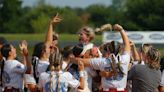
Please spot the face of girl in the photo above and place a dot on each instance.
(13, 51)
(83, 38)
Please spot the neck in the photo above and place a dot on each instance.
(10, 58)
(44, 58)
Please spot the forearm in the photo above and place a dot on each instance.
(135, 53)
(49, 35)
(85, 61)
(29, 66)
(125, 40)
(106, 73)
(81, 86)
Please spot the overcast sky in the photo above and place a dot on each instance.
(71, 3)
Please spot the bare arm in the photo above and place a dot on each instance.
(25, 55)
(49, 35)
(106, 73)
(134, 52)
(85, 61)
(125, 39)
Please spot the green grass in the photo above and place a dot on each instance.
(41, 37)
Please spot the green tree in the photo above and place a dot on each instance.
(99, 14)
(145, 14)
(70, 23)
(10, 12)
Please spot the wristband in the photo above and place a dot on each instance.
(81, 73)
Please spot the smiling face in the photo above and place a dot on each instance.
(83, 37)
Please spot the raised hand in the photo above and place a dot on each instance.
(117, 27)
(56, 19)
(131, 43)
(23, 47)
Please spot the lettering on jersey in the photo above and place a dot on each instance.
(18, 66)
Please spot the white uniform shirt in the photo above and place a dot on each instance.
(13, 74)
(42, 67)
(104, 64)
(65, 78)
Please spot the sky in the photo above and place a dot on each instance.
(71, 3)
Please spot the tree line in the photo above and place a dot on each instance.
(132, 14)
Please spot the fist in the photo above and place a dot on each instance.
(117, 27)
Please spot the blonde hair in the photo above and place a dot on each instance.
(154, 58)
(145, 47)
(88, 31)
(55, 60)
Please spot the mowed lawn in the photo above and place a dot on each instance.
(41, 37)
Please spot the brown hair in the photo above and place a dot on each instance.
(112, 47)
(153, 56)
(88, 31)
(145, 47)
(56, 60)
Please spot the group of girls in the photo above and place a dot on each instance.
(111, 67)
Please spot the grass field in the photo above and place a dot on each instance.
(41, 37)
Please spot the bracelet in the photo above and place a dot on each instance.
(81, 73)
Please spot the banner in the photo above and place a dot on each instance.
(156, 37)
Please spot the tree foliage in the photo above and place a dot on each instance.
(132, 14)
(146, 14)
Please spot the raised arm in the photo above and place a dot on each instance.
(125, 39)
(25, 56)
(49, 35)
(134, 51)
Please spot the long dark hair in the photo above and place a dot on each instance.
(6, 48)
(37, 53)
(67, 50)
(112, 47)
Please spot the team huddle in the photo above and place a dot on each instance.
(85, 67)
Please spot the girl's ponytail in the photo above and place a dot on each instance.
(35, 61)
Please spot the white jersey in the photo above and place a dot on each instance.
(104, 64)
(64, 65)
(65, 79)
(41, 67)
(13, 74)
